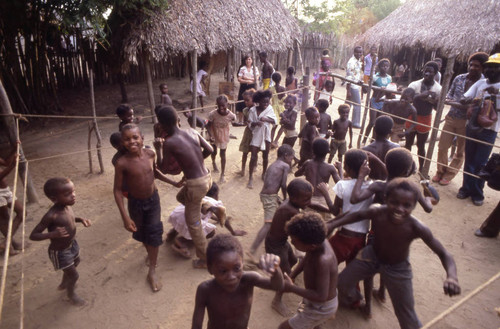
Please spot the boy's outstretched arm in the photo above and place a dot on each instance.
(451, 286)
(358, 195)
(161, 176)
(84, 221)
(205, 146)
(350, 134)
(270, 264)
(333, 207)
(117, 191)
(301, 171)
(284, 176)
(335, 174)
(350, 217)
(199, 306)
(425, 202)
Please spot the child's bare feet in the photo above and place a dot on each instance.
(379, 295)
(184, 252)
(77, 300)
(281, 308)
(250, 184)
(64, 284)
(242, 173)
(366, 310)
(153, 281)
(215, 167)
(239, 233)
(221, 179)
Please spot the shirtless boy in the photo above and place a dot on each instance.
(308, 234)
(186, 148)
(339, 130)
(274, 180)
(308, 133)
(395, 229)
(126, 114)
(60, 222)
(267, 70)
(165, 98)
(137, 170)
(228, 296)
(299, 197)
(7, 200)
(380, 147)
(287, 122)
(325, 120)
(399, 110)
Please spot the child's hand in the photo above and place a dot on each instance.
(492, 90)
(338, 165)
(350, 145)
(451, 287)
(157, 142)
(323, 188)
(180, 183)
(86, 222)
(269, 263)
(129, 225)
(59, 232)
(364, 170)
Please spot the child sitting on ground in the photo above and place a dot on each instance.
(218, 124)
(339, 132)
(126, 114)
(287, 122)
(389, 255)
(277, 99)
(137, 169)
(299, 192)
(307, 232)
(381, 145)
(165, 98)
(247, 133)
(291, 82)
(60, 222)
(274, 180)
(228, 296)
(308, 134)
(399, 109)
(318, 171)
(211, 209)
(325, 121)
(7, 201)
(260, 120)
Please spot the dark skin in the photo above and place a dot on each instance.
(340, 128)
(395, 231)
(358, 52)
(264, 103)
(317, 171)
(325, 122)
(401, 108)
(320, 273)
(267, 68)
(165, 98)
(228, 297)
(137, 170)
(60, 222)
(280, 91)
(308, 134)
(248, 103)
(287, 118)
(274, 180)
(127, 118)
(376, 155)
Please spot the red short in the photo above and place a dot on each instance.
(423, 119)
(346, 247)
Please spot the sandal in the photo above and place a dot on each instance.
(436, 178)
(444, 182)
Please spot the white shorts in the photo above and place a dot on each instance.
(312, 314)
(6, 197)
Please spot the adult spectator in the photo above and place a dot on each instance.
(246, 78)
(439, 62)
(476, 154)
(455, 121)
(370, 59)
(427, 92)
(353, 72)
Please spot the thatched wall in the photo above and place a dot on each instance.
(215, 25)
(452, 27)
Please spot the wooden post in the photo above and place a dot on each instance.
(439, 111)
(149, 79)
(300, 59)
(289, 58)
(254, 63)
(367, 101)
(411, 67)
(194, 72)
(96, 128)
(229, 70)
(10, 124)
(305, 98)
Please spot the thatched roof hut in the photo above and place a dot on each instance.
(212, 26)
(452, 27)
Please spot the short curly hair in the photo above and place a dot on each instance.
(322, 105)
(297, 186)
(308, 227)
(399, 162)
(53, 186)
(320, 147)
(220, 244)
(260, 94)
(404, 184)
(383, 125)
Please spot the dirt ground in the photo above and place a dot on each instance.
(112, 271)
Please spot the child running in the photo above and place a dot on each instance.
(228, 296)
(308, 133)
(325, 120)
(398, 110)
(60, 222)
(274, 180)
(307, 232)
(186, 148)
(247, 133)
(137, 170)
(339, 132)
(277, 99)
(260, 120)
(395, 229)
(218, 124)
(287, 122)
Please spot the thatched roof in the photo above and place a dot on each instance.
(215, 25)
(453, 27)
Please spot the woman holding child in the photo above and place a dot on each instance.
(246, 78)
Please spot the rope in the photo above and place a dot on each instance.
(460, 302)
(8, 238)
(21, 306)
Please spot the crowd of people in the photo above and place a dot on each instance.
(325, 232)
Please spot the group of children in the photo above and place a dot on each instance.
(379, 236)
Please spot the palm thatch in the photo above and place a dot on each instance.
(214, 25)
(452, 27)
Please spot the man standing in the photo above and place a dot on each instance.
(267, 70)
(455, 121)
(353, 72)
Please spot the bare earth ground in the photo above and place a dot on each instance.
(113, 274)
